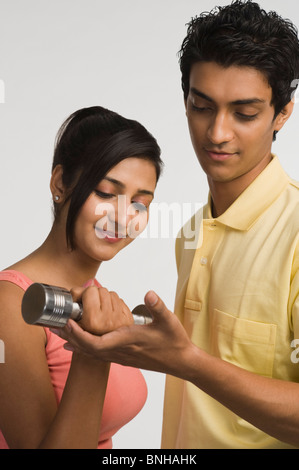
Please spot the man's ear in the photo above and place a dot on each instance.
(283, 116)
(56, 184)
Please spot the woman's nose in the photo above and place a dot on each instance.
(123, 213)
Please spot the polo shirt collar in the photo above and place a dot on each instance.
(253, 202)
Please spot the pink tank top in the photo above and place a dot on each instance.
(126, 389)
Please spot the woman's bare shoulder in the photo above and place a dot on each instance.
(11, 320)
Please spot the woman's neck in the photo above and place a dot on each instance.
(56, 264)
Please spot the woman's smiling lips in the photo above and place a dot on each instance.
(111, 237)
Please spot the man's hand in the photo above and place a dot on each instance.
(161, 346)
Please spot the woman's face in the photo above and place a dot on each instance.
(117, 210)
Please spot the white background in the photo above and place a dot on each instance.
(60, 55)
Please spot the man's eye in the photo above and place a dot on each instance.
(247, 117)
(200, 109)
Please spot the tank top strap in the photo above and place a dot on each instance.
(18, 278)
(92, 282)
(15, 277)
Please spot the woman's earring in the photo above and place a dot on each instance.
(56, 198)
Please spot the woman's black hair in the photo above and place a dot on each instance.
(243, 34)
(89, 143)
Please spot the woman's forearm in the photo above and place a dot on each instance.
(76, 424)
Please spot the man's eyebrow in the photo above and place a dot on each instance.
(249, 101)
(201, 95)
(237, 102)
(122, 186)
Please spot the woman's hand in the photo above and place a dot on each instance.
(103, 311)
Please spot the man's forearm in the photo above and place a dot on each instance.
(269, 404)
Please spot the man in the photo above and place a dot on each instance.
(231, 382)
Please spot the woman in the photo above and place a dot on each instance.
(104, 174)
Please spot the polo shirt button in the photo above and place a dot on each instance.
(203, 260)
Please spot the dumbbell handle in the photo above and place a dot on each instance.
(53, 306)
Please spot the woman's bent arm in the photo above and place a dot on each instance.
(29, 416)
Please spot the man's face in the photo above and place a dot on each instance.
(231, 121)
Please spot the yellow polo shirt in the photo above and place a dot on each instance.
(238, 298)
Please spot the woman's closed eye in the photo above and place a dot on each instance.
(103, 195)
(139, 206)
(136, 205)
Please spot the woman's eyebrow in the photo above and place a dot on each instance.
(145, 191)
(122, 186)
(114, 181)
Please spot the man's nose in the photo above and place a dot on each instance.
(220, 129)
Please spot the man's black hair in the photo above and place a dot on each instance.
(243, 34)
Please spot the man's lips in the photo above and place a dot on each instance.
(219, 156)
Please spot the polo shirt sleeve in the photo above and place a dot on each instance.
(294, 298)
(178, 249)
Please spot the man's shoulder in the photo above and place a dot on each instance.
(293, 195)
(294, 184)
